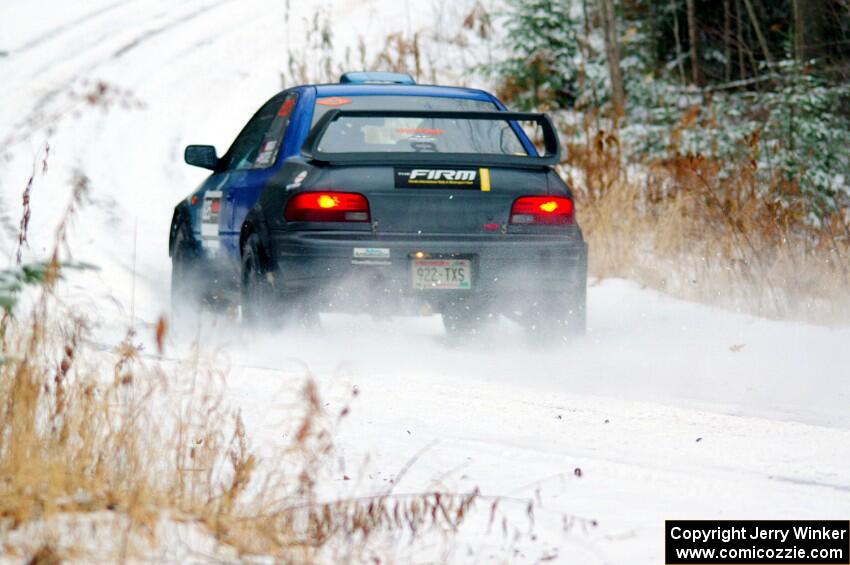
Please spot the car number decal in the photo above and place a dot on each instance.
(209, 220)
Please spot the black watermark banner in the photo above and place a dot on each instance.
(757, 542)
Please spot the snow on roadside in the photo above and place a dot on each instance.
(668, 409)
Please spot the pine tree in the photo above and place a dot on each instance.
(541, 70)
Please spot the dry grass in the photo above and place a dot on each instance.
(684, 227)
(145, 441)
(138, 444)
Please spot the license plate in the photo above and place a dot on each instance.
(453, 274)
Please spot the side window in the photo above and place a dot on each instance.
(273, 137)
(259, 142)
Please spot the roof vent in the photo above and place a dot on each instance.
(368, 77)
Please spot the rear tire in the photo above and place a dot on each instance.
(558, 316)
(186, 281)
(194, 289)
(465, 319)
(259, 298)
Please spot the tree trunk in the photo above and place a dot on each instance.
(586, 52)
(653, 24)
(612, 51)
(679, 63)
(692, 39)
(799, 30)
(759, 35)
(739, 32)
(809, 29)
(727, 39)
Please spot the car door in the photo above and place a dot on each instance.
(249, 165)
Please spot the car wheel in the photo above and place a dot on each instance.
(558, 317)
(466, 319)
(186, 291)
(305, 313)
(259, 298)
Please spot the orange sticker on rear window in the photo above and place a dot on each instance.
(420, 131)
(333, 101)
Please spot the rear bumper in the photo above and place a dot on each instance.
(503, 266)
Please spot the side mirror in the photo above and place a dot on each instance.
(203, 156)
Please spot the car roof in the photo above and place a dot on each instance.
(323, 90)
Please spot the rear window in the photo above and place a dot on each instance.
(414, 135)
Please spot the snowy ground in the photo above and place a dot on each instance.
(670, 409)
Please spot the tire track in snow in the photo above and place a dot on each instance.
(166, 28)
(722, 473)
(59, 30)
(723, 467)
(93, 44)
(42, 101)
(810, 483)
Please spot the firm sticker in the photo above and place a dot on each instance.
(474, 179)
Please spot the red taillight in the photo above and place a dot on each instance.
(327, 207)
(550, 210)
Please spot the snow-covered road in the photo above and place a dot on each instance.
(669, 409)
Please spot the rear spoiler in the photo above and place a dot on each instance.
(310, 149)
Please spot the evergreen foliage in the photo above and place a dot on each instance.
(757, 99)
(542, 68)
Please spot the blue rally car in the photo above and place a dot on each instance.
(382, 196)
